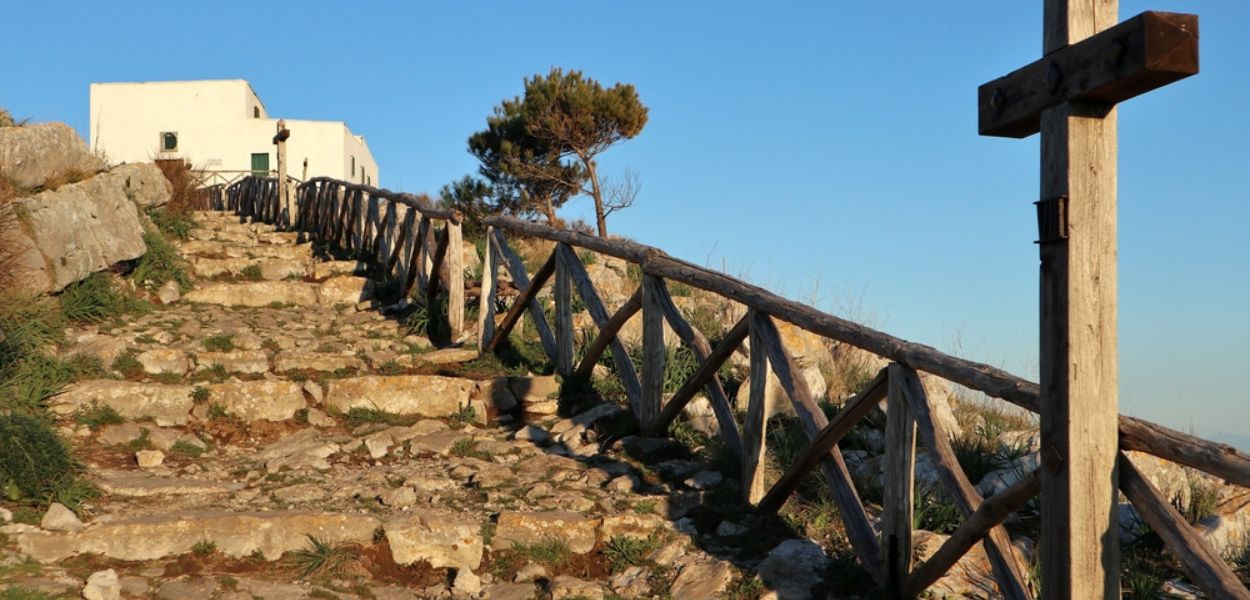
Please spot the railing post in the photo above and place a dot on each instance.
(455, 279)
(652, 350)
(564, 315)
(754, 426)
(899, 476)
(486, 296)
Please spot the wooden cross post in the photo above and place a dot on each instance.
(284, 190)
(1069, 96)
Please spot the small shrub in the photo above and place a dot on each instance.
(34, 463)
(625, 551)
(98, 415)
(467, 448)
(186, 448)
(216, 411)
(645, 507)
(200, 394)
(143, 442)
(360, 415)
(463, 417)
(160, 264)
(171, 224)
(551, 551)
(323, 558)
(219, 343)
(128, 366)
(390, 367)
(203, 548)
(933, 512)
(1203, 500)
(251, 273)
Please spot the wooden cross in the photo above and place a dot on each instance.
(1069, 96)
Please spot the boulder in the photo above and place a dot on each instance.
(60, 518)
(103, 585)
(438, 538)
(161, 361)
(81, 228)
(149, 459)
(33, 154)
(425, 395)
(706, 578)
(793, 568)
(143, 182)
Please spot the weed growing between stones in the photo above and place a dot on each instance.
(128, 366)
(322, 558)
(174, 225)
(160, 264)
(97, 416)
(624, 551)
(251, 273)
(223, 342)
(35, 466)
(360, 415)
(1202, 501)
(97, 299)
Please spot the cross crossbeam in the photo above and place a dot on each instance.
(1146, 52)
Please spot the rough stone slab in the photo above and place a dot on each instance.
(344, 290)
(326, 362)
(137, 485)
(235, 361)
(303, 449)
(234, 534)
(633, 525)
(82, 228)
(439, 538)
(534, 527)
(254, 294)
(166, 404)
(424, 395)
(257, 400)
(444, 356)
(326, 269)
(145, 183)
(439, 443)
(164, 360)
(33, 154)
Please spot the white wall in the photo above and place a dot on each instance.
(216, 129)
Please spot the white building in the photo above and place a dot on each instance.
(219, 126)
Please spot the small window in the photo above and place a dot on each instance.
(353, 166)
(169, 141)
(370, 180)
(255, 112)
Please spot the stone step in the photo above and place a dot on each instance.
(209, 248)
(270, 269)
(255, 294)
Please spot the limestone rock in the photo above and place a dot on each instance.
(103, 585)
(234, 361)
(534, 527)
(441, 539)
(60, 518)
(82, 228)
(300, 493)
(286, 362)
(138, 485)
(564, 586)
(303, 449)
(145, 183)
(533, 390)
(257, 400)
(169, 293)
(327, 269)
(255, 294)
(149, 459)
(702, 579)
(33, 154)
(165, 404)
(234, 534)
(164, 361)
(344, 290)
(793, 568)
(425, 395)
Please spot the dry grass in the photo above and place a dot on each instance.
(187, 195)
(8, 225)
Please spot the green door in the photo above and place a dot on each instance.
(260, 163)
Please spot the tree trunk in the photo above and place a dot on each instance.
(597, 193)
(549, 211)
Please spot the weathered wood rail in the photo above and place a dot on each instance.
(345, 214)
(396, 232)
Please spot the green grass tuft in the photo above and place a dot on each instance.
(97, 299)
(34, 463)
(323, 558)
(219, 343)
(361, 415)
(160, 264)
(98, 415)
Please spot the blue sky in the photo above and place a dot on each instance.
(827, 150)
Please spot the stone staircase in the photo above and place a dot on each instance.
(273, 435)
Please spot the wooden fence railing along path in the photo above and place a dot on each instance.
(400, 232)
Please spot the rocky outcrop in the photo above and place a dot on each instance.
(78, 229)
(144, 183)
(32, 155)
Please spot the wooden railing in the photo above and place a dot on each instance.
(339, 208)
(418, 245)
